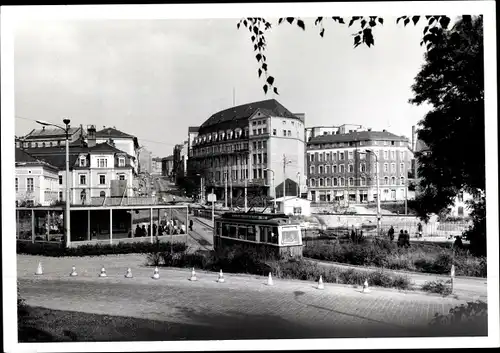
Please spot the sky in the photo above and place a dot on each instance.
(154, 78)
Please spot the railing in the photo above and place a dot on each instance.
(117, 201)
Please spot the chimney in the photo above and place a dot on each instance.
(413, 138)
(91, 136)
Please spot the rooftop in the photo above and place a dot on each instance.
(193, 128)
(271, 107)
(169, 158)
(50, 132)
(357, 136)
(111, 132)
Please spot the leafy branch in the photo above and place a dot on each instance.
(258, 26)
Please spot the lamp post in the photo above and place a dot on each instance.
(274, 202)
(201, 188)
(378, 191)
(298, 184)
(66, 218)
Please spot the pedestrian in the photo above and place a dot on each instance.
(160, 229)
(143, 231)
(155, 228)
(149, 230)
(458, 243)
(401, 238)
(391, 234)
(353, 235)
(191, 224)
(419, 228)
(407, 239)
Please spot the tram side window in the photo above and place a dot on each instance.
(233, 231)
(251, 233)
(218, 228)
(242, 232)
(274, 236)
(225, 230)
(263, 234)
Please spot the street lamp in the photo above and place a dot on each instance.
(274, 202)
(66, 131)
(378, 191)
(298, 185)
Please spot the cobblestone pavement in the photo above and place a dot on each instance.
(242, 307)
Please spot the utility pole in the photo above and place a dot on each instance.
(231, 189)
(285, 162)
(225, 189)
(246, 185)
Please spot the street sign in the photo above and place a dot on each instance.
(211, 198)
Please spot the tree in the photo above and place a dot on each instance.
(258, 26)
(452, 82)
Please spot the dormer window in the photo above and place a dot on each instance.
(121, 162)
(83, 161)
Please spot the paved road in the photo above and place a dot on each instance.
(242, 308)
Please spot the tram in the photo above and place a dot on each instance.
(276, 233)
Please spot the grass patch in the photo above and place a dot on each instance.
(55, 250)
(426, 258)
(241, 259)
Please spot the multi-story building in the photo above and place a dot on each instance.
(36, 180)
(121, 140)
(167, 166)
(340, 169)
(145, 161)
(156, 166)
(246, 145)
(96, 170)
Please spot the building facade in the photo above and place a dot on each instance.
(340, 169)
(167, 166)
(36, 181)
(145, 161)
(246, 146)
(316, 131)
(50, 137)
(156, 166)
(121, 140)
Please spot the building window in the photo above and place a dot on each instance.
(386, 180)
(402, 155)
(362, 181)
(327, 169)
(17, 184)
(60, 180)
(386, 168)
(393, 167)
(102, 179)
(402, 168)
(121, 162)
(254, 158)
(393, 154)
(311, 169)
(102, 162)
(334, 156)
(321, 182)
(341, 180)
(386, 154)
(351, 155)
(254, 145)
(259, 132)
(102, 194)
(289, 133)
(335, 182)
(350, 168)
(83, 179)
(311, 157)
(121, 177)
(60, 195)
(83, 162)
(321, 157)
(274, 132)
(328, 182)
(29, 184)
(341, 156)
(342, 168)
(316, 158)
(402, 180)
(265, 158)
(351, 182)
(393, 181)
(460, 197)
(255, 173)
(385, 143)
(312, 182)
(284, 132)
(259, 144)
(362, 168)
(334, 169)
(260, 158)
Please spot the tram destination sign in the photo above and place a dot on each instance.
(254, 216)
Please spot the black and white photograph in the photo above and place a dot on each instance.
(277, 176)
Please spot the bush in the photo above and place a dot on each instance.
(385, 254)
(56, 250)
(439, 286)
(469, 320)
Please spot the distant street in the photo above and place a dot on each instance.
(289, 309)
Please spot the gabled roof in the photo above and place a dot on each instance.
(111, 132)
(169, 158)
(420, 146)
(105, 147)
(245, 111)
(50, 132)
(52, 161)
(357, 136)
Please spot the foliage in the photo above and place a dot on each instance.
(469, 320)
(240, 259)
(258, 27)
(383, 253)
(56, 250)
(452, 82)
(476, 234)
(439, 286)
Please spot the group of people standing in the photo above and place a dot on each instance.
(165, 228)
(404, 236)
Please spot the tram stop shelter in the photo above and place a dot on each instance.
(103, 224)
(295, 206)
